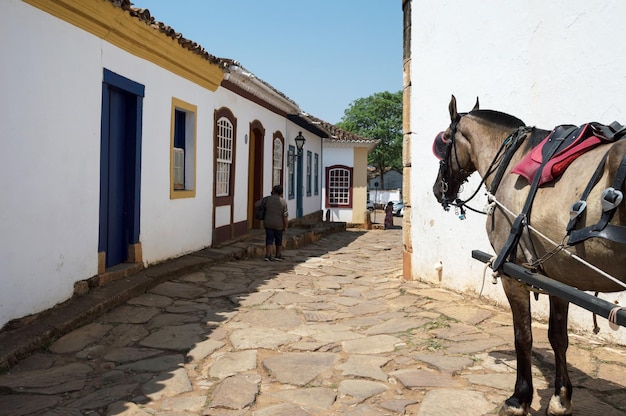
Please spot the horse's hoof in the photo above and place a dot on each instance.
(507, 410)
(558, 407)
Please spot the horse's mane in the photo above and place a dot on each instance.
(497, 117)
(511, 122)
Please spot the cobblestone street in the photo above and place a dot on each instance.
(333, 330)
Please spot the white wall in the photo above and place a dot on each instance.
(246, 112)
(50, 164)
(169, 227)
(50, 168)
(547, 63)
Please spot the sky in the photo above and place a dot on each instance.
(322, 54)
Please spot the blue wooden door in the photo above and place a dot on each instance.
(118, 221)
(119, 167)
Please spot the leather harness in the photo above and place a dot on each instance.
(560, 139)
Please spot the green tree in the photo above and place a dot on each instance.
(378, 116)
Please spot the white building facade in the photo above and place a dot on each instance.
(547, 63)
(127, 145)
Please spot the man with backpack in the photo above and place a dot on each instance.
(275, 222)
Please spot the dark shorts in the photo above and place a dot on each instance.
(273, 236)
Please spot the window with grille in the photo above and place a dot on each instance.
(224, 156)
(277, 162)
(183, 145)
(339, 186)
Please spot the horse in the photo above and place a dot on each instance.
(478, 141)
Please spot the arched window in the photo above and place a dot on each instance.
(277, 161)
(225, 133)
(224, 156)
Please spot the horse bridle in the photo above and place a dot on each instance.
(445, 171)
(498, 164)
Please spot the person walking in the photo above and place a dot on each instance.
(276, 221)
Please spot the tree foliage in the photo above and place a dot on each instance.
(379, 117)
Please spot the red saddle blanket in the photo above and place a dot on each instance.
(529, 165)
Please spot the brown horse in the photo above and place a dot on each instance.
(477, 141)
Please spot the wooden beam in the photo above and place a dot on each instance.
(578, 297)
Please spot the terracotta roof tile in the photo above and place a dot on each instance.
(334, 133)
(339, 135)
(145, 16)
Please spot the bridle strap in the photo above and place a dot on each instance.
(444, 164)
(509, 146)
(499, 165)
(512, 144)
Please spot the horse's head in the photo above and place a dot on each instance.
(453, 150)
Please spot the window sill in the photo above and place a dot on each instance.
(177, 194)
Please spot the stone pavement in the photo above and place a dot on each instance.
(333, 330)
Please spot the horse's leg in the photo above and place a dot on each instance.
(561, 402)
(519, 299)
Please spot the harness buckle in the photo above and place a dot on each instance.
(578, 208)
(610, 198)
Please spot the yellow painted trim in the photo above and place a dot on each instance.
(189, 108)
(359, 185)
(114, 25)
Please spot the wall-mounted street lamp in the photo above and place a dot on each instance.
(291, 156)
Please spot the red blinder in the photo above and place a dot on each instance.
(439, 146)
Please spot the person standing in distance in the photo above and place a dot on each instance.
(389, 215)
(275, 222)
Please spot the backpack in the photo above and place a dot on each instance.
(259, 213)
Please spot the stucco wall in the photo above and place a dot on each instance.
(359, 185)
(547, 63)
(50, 164)
(169, 227)
(50, 167)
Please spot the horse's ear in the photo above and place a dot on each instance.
(452, 108)
(476, 106)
